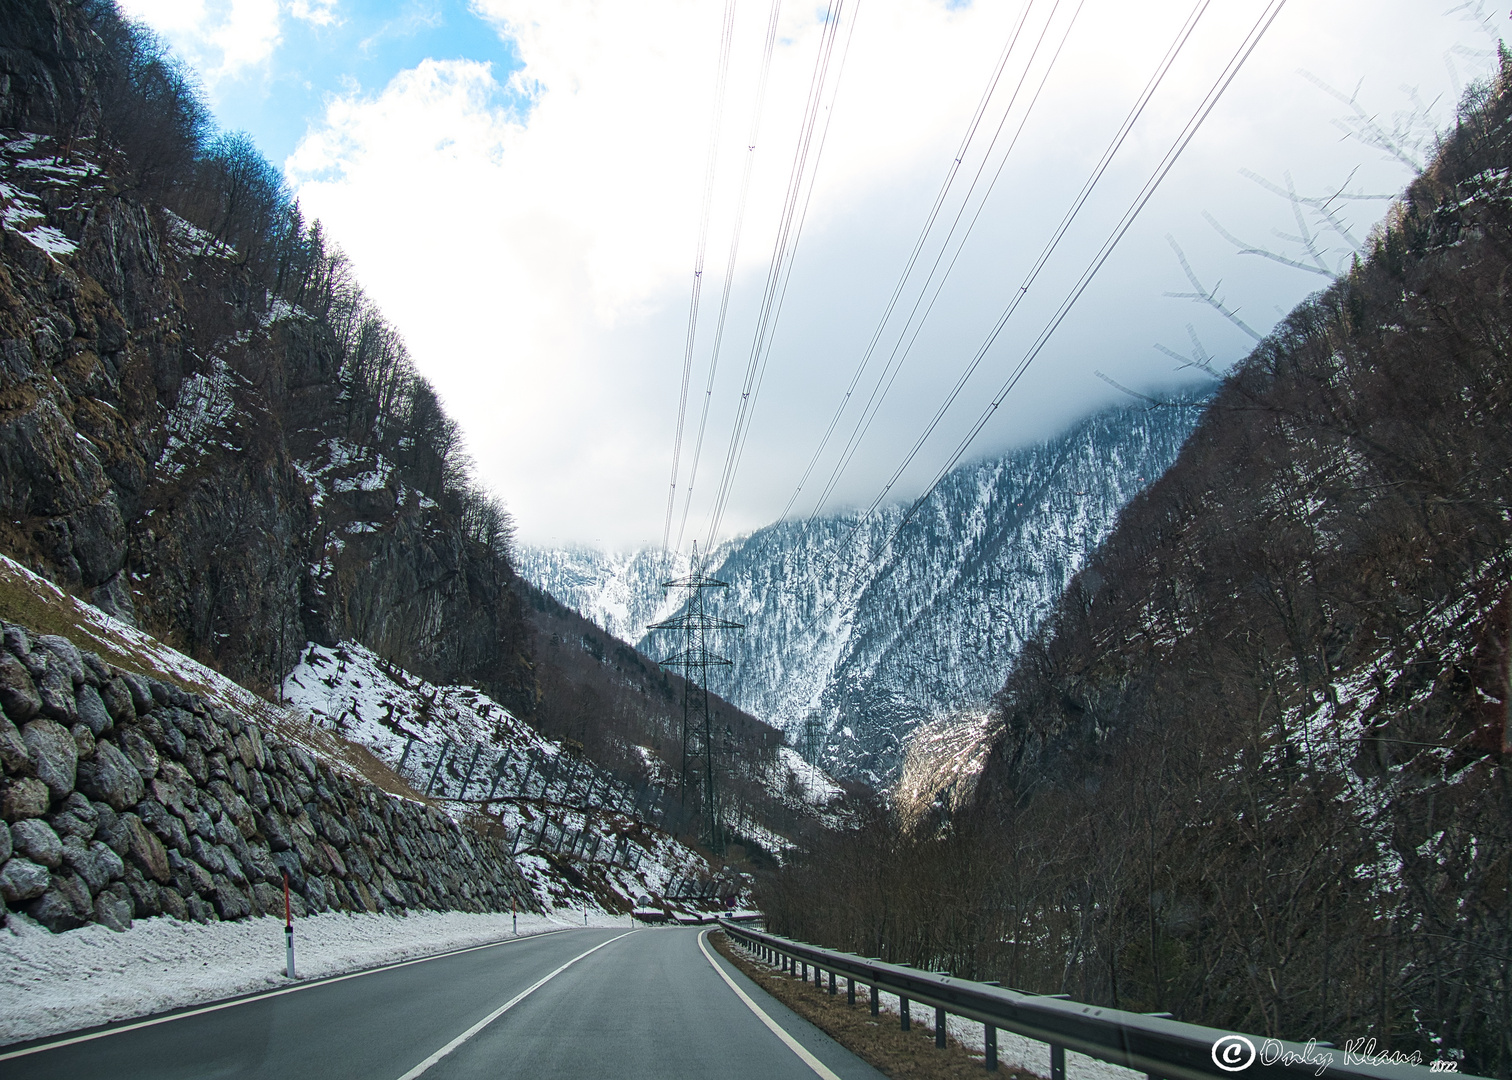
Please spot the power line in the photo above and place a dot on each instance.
(913, 258)
(694, 624)
(781, 249)
(724, 302)
(1225, 78)
(895, 360)
(1073, 211)
(727, 34)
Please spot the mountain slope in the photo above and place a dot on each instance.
(1254, 768)
(205, 428)
(860, 648)
(209, 431)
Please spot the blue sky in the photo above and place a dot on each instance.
(358, 49)
(535, 248)
(367, 49)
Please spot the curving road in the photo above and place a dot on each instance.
(643, 1004)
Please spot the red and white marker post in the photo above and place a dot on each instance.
(288, 931)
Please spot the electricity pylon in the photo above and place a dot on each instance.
(694, 659)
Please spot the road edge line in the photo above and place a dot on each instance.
(200, 1010)
(425, 1065)
(819, 1067)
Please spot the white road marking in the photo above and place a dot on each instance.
(425, 1065)
(808, 1059)
(71, 1040)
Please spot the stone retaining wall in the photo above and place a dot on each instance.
(124, 797)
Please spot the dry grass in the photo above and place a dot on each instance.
(880, 1041)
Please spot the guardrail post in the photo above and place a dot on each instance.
(817, 975)
(903, 1011)
(803, 970)
(832, 984)
(850, 991)
(1057, 1062)
(991, 1040)
(939, 1028)
(875, 999)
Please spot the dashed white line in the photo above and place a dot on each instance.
(425, 1065)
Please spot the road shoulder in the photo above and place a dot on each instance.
(897, 1054)
(832, 1054)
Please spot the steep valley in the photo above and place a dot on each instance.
(852, 642)
(211, 439)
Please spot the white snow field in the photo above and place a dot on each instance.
(55, 983)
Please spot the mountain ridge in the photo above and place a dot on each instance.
(906, 621)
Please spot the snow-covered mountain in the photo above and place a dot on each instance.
(853, 641)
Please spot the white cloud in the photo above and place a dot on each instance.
(220, 39)
(539, 263)
(316, 12)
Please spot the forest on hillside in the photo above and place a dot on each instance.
(1253, 770)
(208, 430)
(239, 454)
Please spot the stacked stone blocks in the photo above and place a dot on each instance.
(126, 797)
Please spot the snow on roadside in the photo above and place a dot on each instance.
(53, 983)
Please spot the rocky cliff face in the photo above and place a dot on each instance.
(203, 426)
(126, 797)
(855, 642)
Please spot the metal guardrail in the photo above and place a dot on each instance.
(1162, 1048)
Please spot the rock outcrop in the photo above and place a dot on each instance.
(205, 429)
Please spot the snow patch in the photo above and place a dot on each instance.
(53, 983)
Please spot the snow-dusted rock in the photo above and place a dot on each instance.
(54, 755)
(111, 777)
(36, 840)
(18, 693)
(21, 879)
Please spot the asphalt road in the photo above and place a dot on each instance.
(647, 1004)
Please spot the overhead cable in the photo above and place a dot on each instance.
(1183, 35)
(895, 360)
(783, 247)
(727, 34)
(724, 301)
(1225, 78)
(918, 247)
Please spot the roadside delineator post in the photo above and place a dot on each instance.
(288, 931)
(514, 910)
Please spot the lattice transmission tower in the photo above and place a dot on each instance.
(694, 659)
